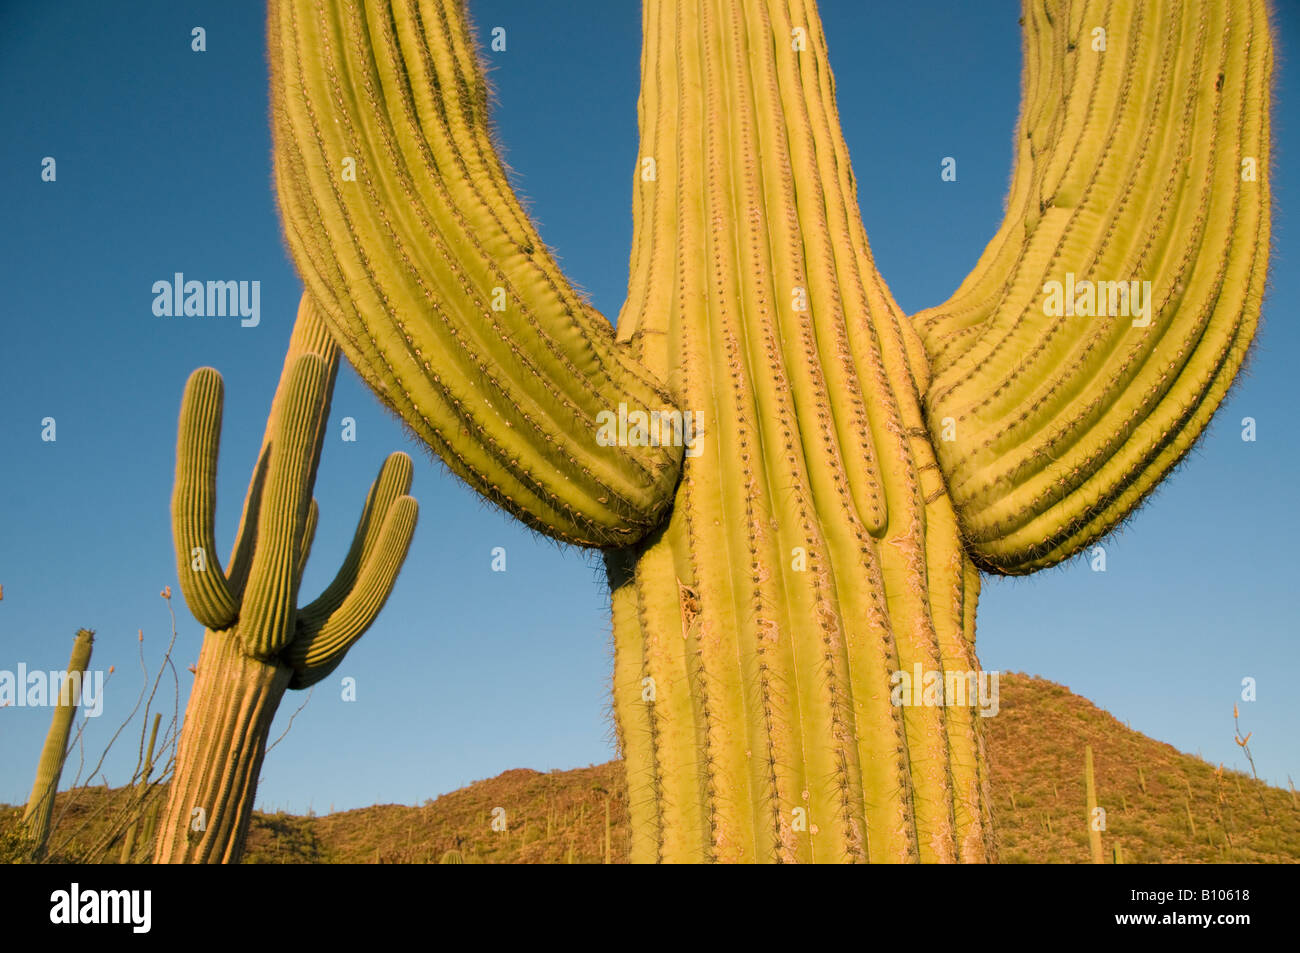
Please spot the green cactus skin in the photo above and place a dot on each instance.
(257, 643)
(40, 804)
(857, 467)
(1090, 785)
(128, 842)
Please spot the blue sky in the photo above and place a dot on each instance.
(163, 165)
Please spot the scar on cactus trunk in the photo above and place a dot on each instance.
(856, 467)
(257, 643)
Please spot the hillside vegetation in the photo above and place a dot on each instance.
(1162, 806)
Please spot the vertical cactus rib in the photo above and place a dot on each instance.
(1137, 169)
(635, 699)
(411, 261)
(194, 502)
(40, 803)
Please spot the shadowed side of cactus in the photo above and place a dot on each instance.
(258, 643)
(818, 531)
(40, 804)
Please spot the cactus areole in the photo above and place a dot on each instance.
(853, 468)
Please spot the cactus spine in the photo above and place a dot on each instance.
(826, 530)
(40, 804)
(258, 643)
(1094, 830)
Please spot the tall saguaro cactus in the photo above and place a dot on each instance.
(258, 643)
(40, 804)
(855, 468)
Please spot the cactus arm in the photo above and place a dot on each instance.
(318, 649)
(410, 263)
(393, 481)
(270, 601)
(309, 336)
(1133, 164)
(194, 500)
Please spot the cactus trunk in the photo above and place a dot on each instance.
(810, 551)
(219, 755)
(40, 804)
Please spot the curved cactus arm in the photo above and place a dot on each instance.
(194, 502)
(320, 646)
(438, 288)
(1104, 323)
(393, 481)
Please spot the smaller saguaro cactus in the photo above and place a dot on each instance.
(40, 805)
(1094, 831)
(452, 857)
(258, 643)
(129, 840)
